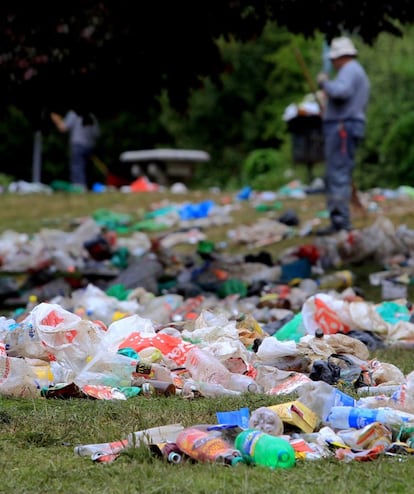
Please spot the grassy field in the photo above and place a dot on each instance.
(38, 436)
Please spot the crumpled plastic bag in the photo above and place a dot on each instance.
(107, 369)
(171, 347)
(386, 373)
(21, 339)
(401, 399)
(323, 348)
(378, 241)
(23, 377)
(276, 381)
(331, 315)
(102, 306)
(70, 339)
(271, 349)
(219, 336)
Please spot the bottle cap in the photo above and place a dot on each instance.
(174, 457)
(319, 333)
(236, 460)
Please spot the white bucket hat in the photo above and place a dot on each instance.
(341, 47)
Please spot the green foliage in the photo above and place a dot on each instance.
(397, 150)
(389, 64)
(5, 180)
(16, 143)
(263, 169)
(243, 113)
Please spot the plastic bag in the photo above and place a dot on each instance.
(332, 315)
(65, 335)
(271, 348)
(107, 369)
(102, 306)
(20, 377)
(325, 371)
(21, 339)
(171, 347)
(294, 329)
(320, 397)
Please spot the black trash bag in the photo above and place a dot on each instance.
(289, 218)
(98, 248)
(353, 373)
(323, 370)
(256, 344)
(371, 340)
(262, 257)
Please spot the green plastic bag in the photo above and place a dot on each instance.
(292, 330)
(232, 286)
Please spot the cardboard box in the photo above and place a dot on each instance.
(297, 414)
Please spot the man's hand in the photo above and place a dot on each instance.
(322, 77)
(58, 121)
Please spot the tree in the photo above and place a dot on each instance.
(116, 54)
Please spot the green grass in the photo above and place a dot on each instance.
(38, 436)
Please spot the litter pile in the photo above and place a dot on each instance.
(116, 318)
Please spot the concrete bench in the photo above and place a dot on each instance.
(164, 166)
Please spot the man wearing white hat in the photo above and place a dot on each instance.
(344, 118)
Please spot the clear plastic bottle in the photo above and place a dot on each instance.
(259, 448)
(320, 397)
(205, 367)
(266, 420)
(341, 417)
(208, 390)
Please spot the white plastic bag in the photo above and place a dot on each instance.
(70, 339)
(20, 377)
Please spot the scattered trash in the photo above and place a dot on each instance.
(103, 315)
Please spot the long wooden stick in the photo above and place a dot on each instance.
(309, 80)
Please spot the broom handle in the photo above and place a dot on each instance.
(309, 80)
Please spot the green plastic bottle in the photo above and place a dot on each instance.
(259, 448)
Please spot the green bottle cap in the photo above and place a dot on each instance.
(237, 460)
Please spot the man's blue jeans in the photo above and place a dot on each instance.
(79, 159)
(341, 140)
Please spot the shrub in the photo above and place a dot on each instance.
(265, 169)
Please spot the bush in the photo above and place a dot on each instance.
(265, 169)
(397, 152)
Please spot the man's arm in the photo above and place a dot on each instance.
(58, 121)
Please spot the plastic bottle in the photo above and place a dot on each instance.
(169, 451)
(207, 447)
(337, 280)
(112, 448)
(153, 387)
(320, 397)
(243, 383)
(192, 388)
(341, 417)
(155, 435)
(259, 448)
(205, 367)
(266, 420)
(32, 302)
(149, 370)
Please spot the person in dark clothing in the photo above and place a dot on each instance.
(343, 121)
